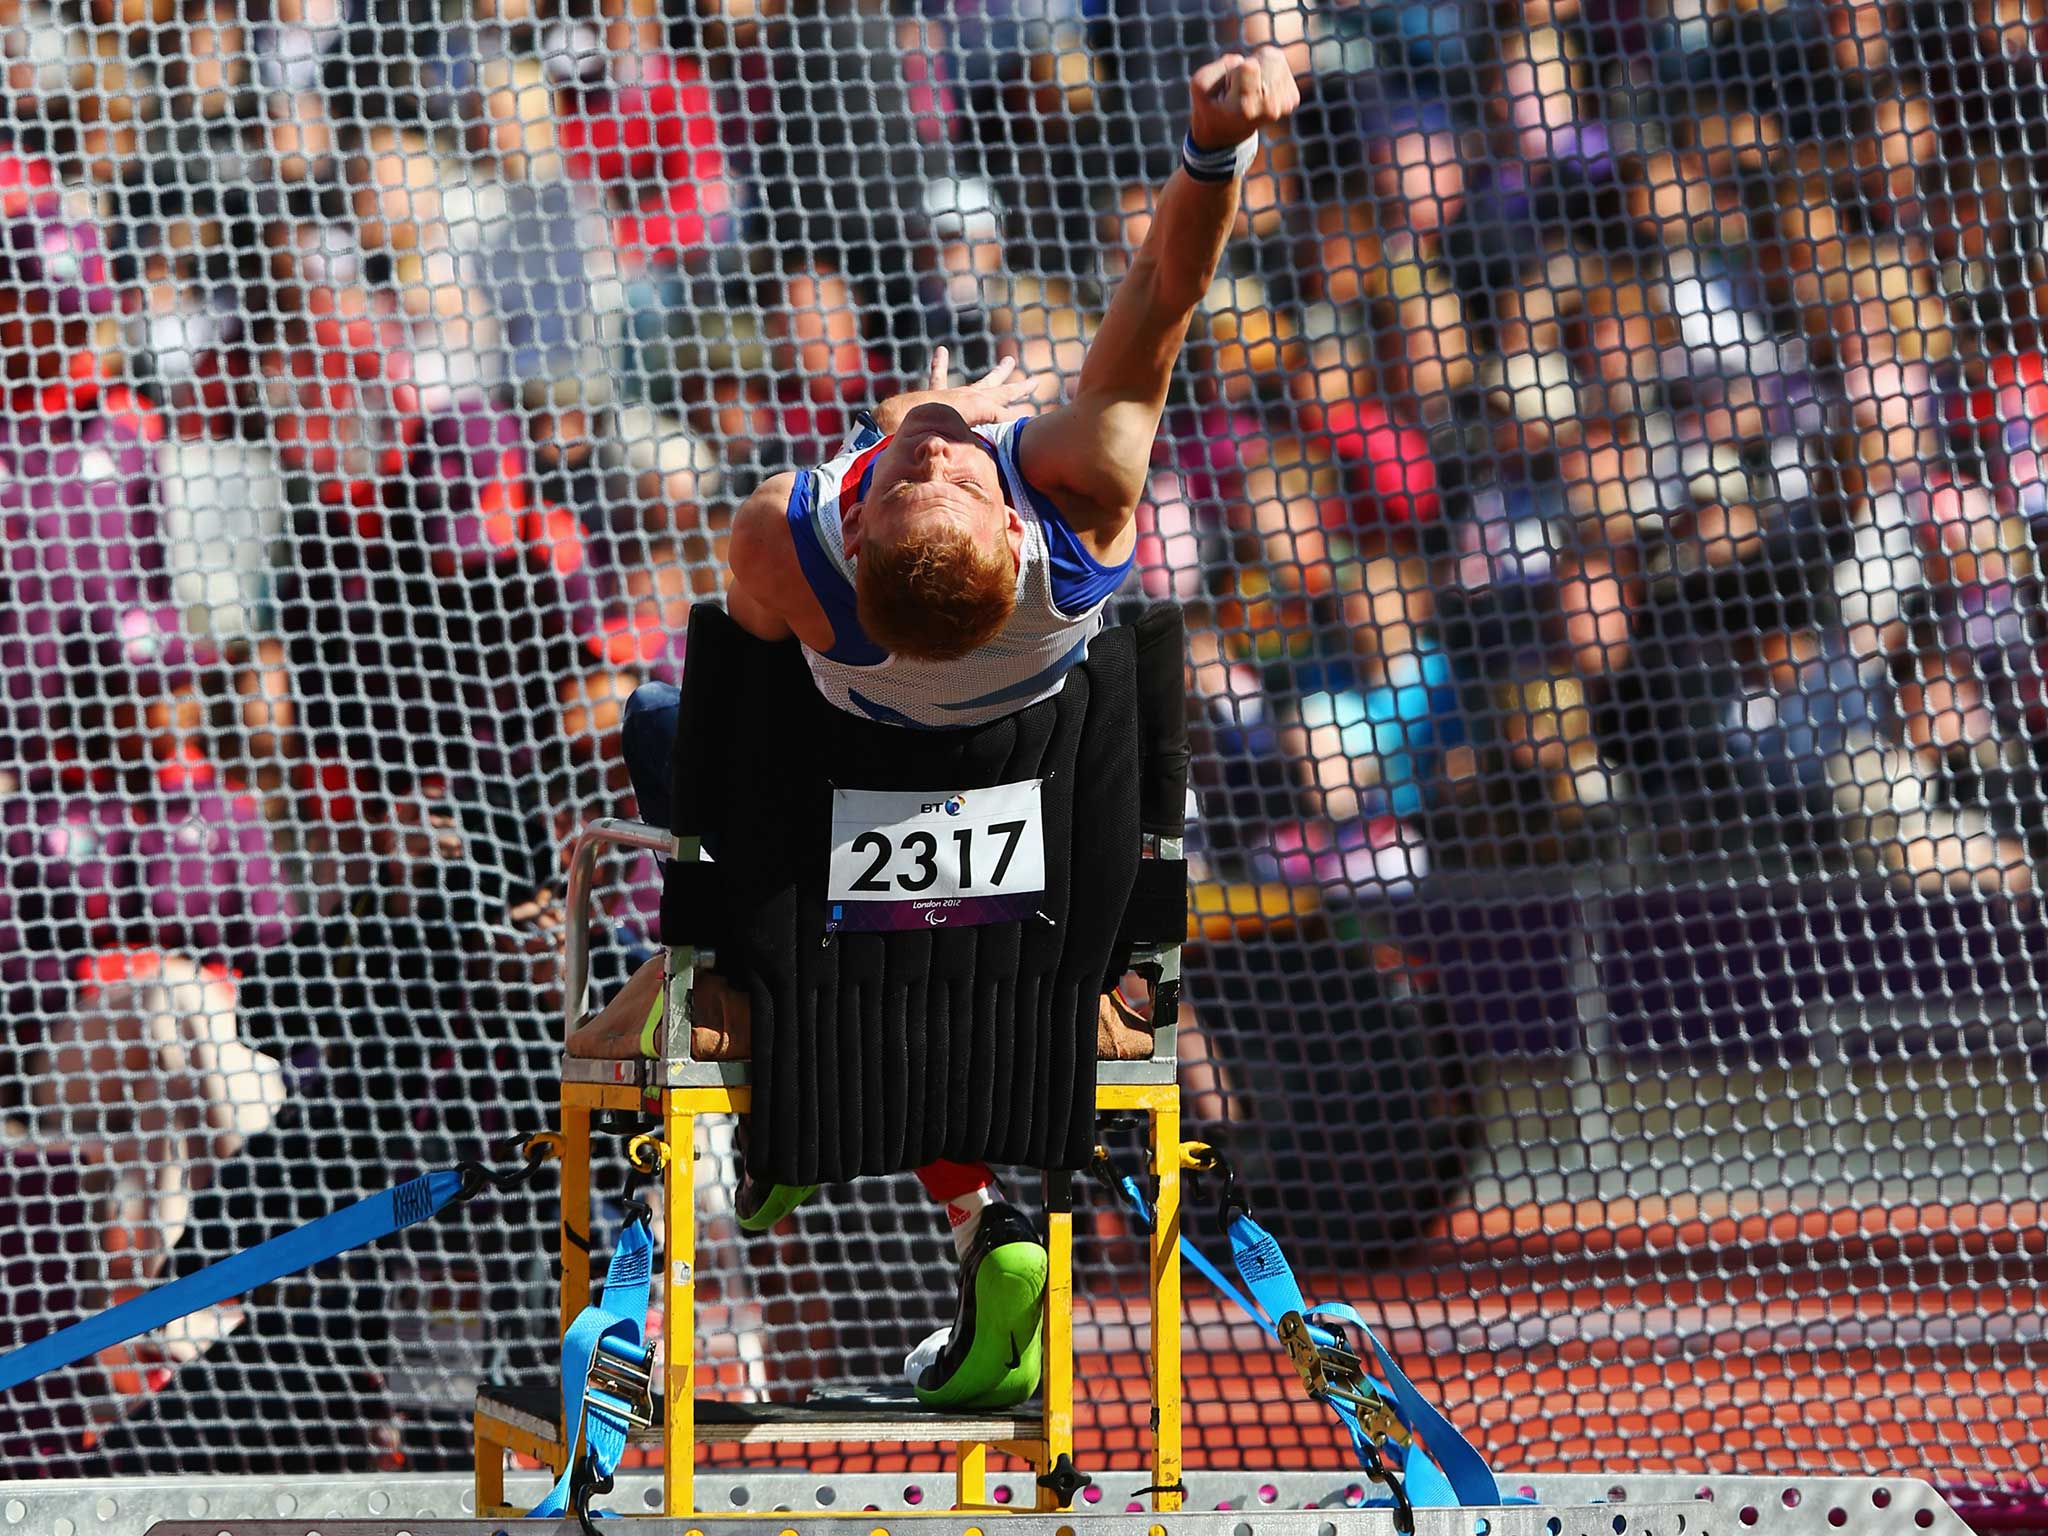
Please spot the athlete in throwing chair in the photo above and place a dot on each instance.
(947, 569)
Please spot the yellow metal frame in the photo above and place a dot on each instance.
(676, 1110)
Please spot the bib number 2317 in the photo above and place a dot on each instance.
(935, 859)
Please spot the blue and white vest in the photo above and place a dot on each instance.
(1061, 590)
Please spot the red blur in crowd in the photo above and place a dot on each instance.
(1952, 517)
(2006, 422)
(357, 424)
(21, 178)
(345, 387)
(1392, 475)
(657, 138)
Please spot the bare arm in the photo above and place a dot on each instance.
(1092, 455)
(760, 558)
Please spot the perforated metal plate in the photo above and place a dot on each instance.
(1649, 1520)
(1221, 1504)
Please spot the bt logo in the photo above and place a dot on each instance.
(952, 805)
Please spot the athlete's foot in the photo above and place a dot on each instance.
(992, 1358)
(629, 1026)
(760, 1206)
(1121, 1032)
(721, 1020)
(617, 1032)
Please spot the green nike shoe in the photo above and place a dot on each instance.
(992, 1359)
(761, 1207)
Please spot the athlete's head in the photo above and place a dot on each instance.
(934, 541)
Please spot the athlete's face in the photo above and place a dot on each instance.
(934, 468)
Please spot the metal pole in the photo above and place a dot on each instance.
(610, 831)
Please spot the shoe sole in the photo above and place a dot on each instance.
(782, 1199)
(1002, 1366)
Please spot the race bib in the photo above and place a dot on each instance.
(933, 859)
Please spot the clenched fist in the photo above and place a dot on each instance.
(1233, 97)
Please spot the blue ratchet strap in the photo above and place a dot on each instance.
(604, 1359)
(364, 1221)
(1452, 1473)
(1135, 1196)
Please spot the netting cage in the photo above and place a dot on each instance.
(1604, 484)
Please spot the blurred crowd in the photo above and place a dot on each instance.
(1630, 423)
(1620, 419)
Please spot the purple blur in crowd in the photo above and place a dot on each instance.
(496, 589)
(68, 872)
(1578, 155)
(465, 477)
(82, 577)
(190, 870)
(209, 878)
(49, 1239)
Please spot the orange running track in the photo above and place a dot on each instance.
(1657, 1335)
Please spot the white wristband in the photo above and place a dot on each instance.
(1217, 165)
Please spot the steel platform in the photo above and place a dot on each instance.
(759, 1503)
(894, 1418)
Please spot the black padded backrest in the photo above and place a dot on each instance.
(878, 1052)
(1161, 634)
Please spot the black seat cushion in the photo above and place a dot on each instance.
(879, 1052)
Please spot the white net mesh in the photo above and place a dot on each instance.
(1605, 487)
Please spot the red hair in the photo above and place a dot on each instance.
(936, 593)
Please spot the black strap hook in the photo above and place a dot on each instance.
(534, 1151)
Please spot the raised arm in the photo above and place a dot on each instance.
(1092, 455)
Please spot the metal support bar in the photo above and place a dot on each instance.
(679, 1308)
(1650, 1520)
(609, 832)
(1166, 1306)
(1057, 1349)
(970, 1474)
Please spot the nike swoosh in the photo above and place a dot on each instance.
(1016, 1354)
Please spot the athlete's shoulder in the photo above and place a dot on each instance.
(761, 552)
(843, 465)
(1000, 436)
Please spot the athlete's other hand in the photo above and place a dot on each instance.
(1233, 97)
(1001, 394)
